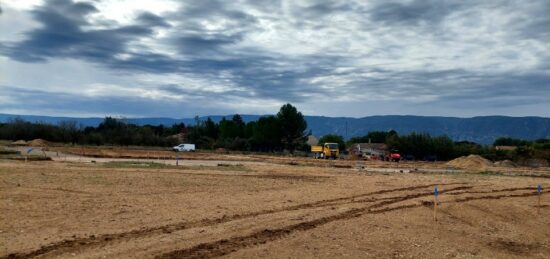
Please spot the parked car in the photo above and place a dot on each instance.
(184, 148)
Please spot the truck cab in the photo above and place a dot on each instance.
(326, 151)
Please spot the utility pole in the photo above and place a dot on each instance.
(346, 130)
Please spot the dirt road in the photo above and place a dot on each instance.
(88, 210)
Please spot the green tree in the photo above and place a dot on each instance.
(333, 138)
(70, 132)
(378, 136)
(510, 142)
(293, 126)
(227, 129)
(239, 125)
(204, 134)
(443, 147)
(231, 129)
(266, 135)
(374, 137)
(354, 140)
(211, 129)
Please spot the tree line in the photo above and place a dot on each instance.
(422, 146)
(283, 131)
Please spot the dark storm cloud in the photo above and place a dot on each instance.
(215, 9)
(327, 8)
(181, 90)
(262, 77)
(412, 13)
(193, 15)
(61, 35)
(320, 10)
(511, 88)
(79, 8)
(205, 40)
(205, 44)
(46, 102)
(144, 61)
(197, 39)
(150, 19)
(479, 91)
(535, 23)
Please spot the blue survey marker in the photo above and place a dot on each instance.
(539, 188)
(436, 191)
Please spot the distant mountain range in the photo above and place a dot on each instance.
(482, 130)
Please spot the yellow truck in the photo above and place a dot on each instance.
(326, 151)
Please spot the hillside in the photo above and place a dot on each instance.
(478, 129)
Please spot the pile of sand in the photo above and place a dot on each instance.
(536, 162)
(108, 153)
(505, 163)
(19, 143)
(38, 143)
(471, 162)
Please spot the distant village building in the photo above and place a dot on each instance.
(506, 148)
(181, 137)
(312, 140)
(369, 150)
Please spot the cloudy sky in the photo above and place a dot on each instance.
(335, 58)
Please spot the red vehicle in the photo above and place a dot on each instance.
(393, 156)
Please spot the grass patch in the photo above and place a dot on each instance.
(28, 158)
(493, 173)
(484, 174)
(155, 165)
(227, 167)
(4, 142)
(135, 164)
(9, 152)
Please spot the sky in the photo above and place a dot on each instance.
(162, 58)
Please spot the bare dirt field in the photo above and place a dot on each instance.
(164, 154)
(275, 208)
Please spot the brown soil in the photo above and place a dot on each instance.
(69, 209)
(38, 143)
(144, 153)
(471, 162)
(19, 143)
(505, 163)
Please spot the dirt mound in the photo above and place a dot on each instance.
(108, 153)
(505, 163)
(535, 162)
(19, 143)
(471, 162)
(38, 143)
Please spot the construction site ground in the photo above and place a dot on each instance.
(129, 203)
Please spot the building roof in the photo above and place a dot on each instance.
(312, 140)
(379, 146)
(508, 148)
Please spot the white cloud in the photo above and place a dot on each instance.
(14, 22)
(125, 11)
(251, 58)
(21, 4)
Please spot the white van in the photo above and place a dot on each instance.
(184, 147)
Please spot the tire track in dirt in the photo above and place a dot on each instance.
(430, 203)
(77, 243)
(226, 246)
(493, 191)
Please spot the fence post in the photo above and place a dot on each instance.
(436, 193)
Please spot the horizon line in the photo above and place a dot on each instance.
(261, 115)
